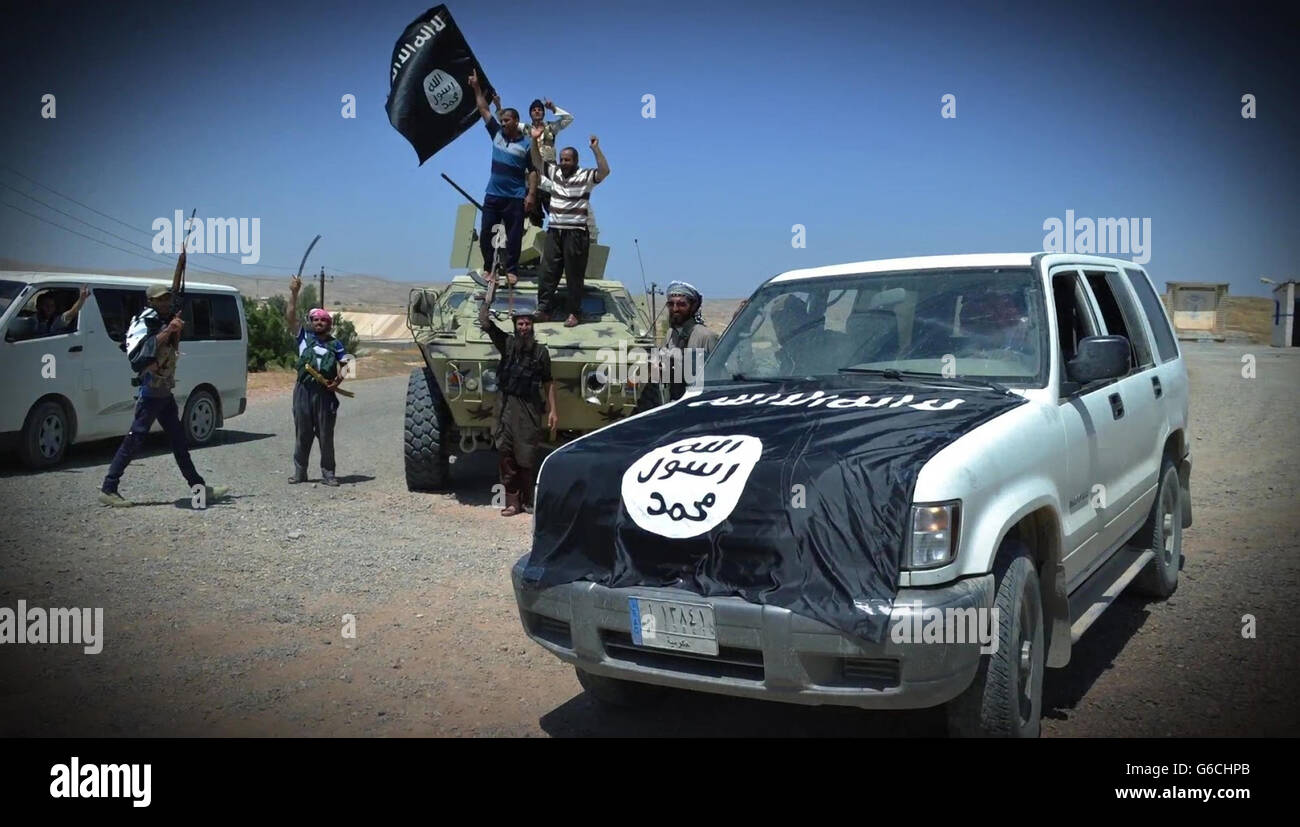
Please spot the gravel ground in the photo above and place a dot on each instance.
(228, 621)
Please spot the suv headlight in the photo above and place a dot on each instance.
(490, 380)
(933, 540)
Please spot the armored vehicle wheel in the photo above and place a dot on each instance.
(426, 433)
(1006, 697)
(618, 693)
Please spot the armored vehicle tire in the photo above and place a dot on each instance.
(619, 693)
(1163, 534)
(1006, 698)
(425, 433)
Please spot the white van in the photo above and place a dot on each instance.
(75, 385)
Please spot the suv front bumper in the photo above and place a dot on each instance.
(765, 652)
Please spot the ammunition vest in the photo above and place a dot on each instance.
(327, 363)
(520, 371)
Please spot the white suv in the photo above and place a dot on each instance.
(873, 445)
(74, 384)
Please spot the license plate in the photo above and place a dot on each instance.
(669, 624)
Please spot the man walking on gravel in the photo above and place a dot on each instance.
(151, 345)
(315, 406)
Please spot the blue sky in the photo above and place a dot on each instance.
(767, 115)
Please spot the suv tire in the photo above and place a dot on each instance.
(1163, 534)
(1006, 698)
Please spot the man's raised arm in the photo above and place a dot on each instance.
(479, 100)
(602, 166)
(291, 310)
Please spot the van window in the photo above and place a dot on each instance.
(1155, 311)
(225, 318)
(9, 291)
(117, 307)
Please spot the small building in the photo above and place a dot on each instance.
(1286, 306)
(1196, 309)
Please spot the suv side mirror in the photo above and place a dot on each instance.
(1099, 358)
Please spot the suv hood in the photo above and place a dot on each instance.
(794, 495)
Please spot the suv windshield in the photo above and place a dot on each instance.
(9, 290)
(980, 324)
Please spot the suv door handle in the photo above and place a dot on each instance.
(1155, 385)
(74, 349)
(1116, 406)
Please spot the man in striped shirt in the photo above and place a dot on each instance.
(512, 186)
(567, 239)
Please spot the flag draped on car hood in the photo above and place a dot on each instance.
(429, 99)
(793, 495)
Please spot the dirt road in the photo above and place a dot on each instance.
(228, 621)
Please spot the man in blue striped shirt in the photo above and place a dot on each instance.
(512, 186)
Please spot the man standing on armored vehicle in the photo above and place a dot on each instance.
(546, 145)
(567, 238)
(524, 368)
(512, 185)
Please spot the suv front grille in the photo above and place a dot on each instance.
(730, 662)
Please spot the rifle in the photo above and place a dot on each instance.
(319, 377)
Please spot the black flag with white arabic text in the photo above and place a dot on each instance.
(429, 98)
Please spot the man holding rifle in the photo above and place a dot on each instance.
(152, 342)
(315, 403)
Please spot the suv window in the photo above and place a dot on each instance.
(1121, 316)
(1165, 342)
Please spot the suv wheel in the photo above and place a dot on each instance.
(45, 436)
(425, 434)
(1006, 697)
(619, 693)
(1162, 534)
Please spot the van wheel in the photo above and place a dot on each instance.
(200, 419)
(425, 436)
(1006, 698)
(1163, 534)
(618, 693)
(45, 436)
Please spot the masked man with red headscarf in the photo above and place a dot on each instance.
(315, 406)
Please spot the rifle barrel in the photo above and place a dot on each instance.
(468, 197)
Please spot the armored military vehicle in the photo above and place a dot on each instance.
(451, 402)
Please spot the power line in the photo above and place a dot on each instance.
(73, 200)
(111, 246)
(111, 218)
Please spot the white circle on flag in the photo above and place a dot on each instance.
(690, 486)
(443, 92)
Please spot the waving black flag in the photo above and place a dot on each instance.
(429, 101)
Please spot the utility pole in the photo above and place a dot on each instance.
(322, 287)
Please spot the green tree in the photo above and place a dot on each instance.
(268, 338)
(346, 332)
